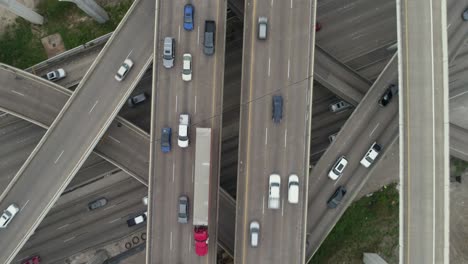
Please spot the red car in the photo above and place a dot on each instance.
(318, 26)
(33, 260)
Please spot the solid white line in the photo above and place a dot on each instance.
(2, 115)
(269, 61)
(59, 157)
(373, 130)
(263, 204)
(289, 64)
(266, 135)
(176, 103)
(285, 137)
(111, 137)
(109, 207)
(173, 171)
(460, 94)
(66, 240)
(170, 242)
(92, 108)
(17, 92)
(63, 226)
(198, 36)
(195, 104)
(24, 205)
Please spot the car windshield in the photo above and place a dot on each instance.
(165, 139)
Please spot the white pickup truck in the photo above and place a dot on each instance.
(55, 75)
(274, 194)
(183, 138)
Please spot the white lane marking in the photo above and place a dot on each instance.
(195, 104)
(178, 37)
(337, 180)
(271, 2)
(373, 130)
(190, 243)
(269, 61)
(63, 226)
(16, 92)
(460, 94)
(109, 207)
(55, 162)
(291, 3)
(173, 171)
(198, 36)
(115, 220)
(282, 207)
(170, 242)
(92, 108)
(285, 137)
(113, 138)
(66, 240)
(289, 65)
(266, 135)
(24, 205)
(263, 204)
(130, 53)
(176, 103)
(2, 115)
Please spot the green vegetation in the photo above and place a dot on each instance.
(21, 46)
(457, 166)
(369, 225)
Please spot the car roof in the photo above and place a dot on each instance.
(293, 178)
(275, 177)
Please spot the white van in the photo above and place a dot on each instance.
(293, 189)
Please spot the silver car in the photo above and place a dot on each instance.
(169, 52)
(183, 210)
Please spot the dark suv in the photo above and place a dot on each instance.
(209, 40)
(386, 98)
(336, 198)
(277, 108)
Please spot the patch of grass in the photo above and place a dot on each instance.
(369, 225)
(20, 47)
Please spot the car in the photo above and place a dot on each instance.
(168, 52)
(262, 28)
(277, 114)
(371, 155)
(337, 197)
(183, 210)
(124, 69)
(254, 233)
(136, 99)
(187, 67)
(98, 203)
(332, 137)
(465, 15)
(339, 106)
(338, 168)
(8, 215)
(209, 40)
(183, 137)
(318, 27)
(55, 75)
(137, 219)
(293, 189)
(274, 184)
(32, 260)
(386, 98)
(166, 139)
(188, 17)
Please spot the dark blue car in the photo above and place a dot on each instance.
(166, 139)
(188, 17)
(277, 108)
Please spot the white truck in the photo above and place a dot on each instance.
(183, 138)
(201, 190)
(275, 189)
(55, 75)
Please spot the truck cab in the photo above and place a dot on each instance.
(200, 236)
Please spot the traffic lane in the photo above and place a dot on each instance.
(323, 219)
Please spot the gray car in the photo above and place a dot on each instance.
(169, 52)
(98, 203)
(337, 197)
(183, 210)
(209, 40)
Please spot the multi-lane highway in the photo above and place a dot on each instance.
(280, 65)
(64, 148)
(424, 132)
(172, 174)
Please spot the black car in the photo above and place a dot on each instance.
(209, 40)
(386, 98)
(336, 198)
(277, 108)
(465, 15)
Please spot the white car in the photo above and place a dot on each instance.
(338, 168)
(183, 138)
(274, 194)
(254, 233)
(124, 69)
(187, 67)
(293, 189)
(56, 75)
(371, 155)
(8, 215)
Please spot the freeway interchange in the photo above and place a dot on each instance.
(282, 148)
